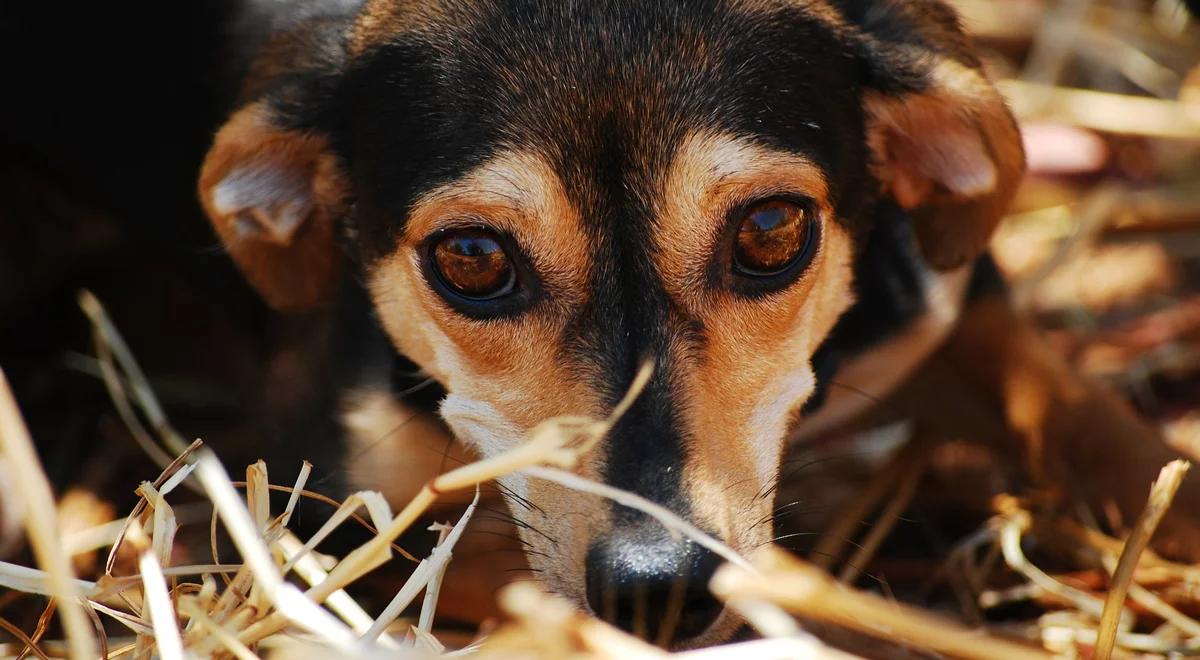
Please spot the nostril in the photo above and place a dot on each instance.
(699, 612)
(657, 591)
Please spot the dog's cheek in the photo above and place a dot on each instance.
(396, 289)
(552, 523)
(755, 375)
(480, 424)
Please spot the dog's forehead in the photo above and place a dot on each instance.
(595, 88)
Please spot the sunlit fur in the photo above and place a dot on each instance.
(740, 386)
(611, 142)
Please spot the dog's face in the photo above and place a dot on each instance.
(540, 196)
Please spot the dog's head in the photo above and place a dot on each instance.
(541, 195)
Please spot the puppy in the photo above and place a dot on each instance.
(524, 200)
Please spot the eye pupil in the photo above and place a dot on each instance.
(771, 237)
(473, 264)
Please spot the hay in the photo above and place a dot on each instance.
(183, 611)
(1078, 591)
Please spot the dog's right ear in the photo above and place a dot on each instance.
(271, 184)
(945, 145)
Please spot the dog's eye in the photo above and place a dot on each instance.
(772, 236)
(473, 263)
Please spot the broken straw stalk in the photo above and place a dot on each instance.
(805, 590)
(41, 523)
(1161, 495)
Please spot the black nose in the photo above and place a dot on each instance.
(652, 585)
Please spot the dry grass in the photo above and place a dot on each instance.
(1031, 581)
(255, 607)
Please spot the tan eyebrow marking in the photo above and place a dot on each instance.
(710, 173)
(380, 20)
(518, 193)
(820, 10)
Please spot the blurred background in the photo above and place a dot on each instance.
(109, 107)
(1102, 243)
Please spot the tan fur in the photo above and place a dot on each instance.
(379, 21)
(512, 364)
(711, 173)
(952, 155)
(293, 265)
(744, 382)
(756, 351)
(505, 376)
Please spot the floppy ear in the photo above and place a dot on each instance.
(945, 145)
(271, 184)
(274, 196)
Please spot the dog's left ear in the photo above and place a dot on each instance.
(945, 145)
(275, 196)
(272, 185)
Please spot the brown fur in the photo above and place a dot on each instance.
(516, 363)
(514, 367)
(952, 155)
(381, 20)
(1076, 437)
(295, 267)
(744, 390)
(742, 363)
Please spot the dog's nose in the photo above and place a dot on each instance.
(656, 588)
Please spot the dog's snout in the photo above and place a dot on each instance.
(656, 588)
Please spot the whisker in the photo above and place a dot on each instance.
(523, 525)
(527, 504)
(790, 509)
(505, 516)
(524, 552)
(770, 490)
(879, 401)
(786, 536)
(415, 388)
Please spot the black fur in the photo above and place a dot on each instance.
(607, 106)
(605, 92)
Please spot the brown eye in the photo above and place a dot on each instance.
(473, 264)
(771, 237)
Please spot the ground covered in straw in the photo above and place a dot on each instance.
(121, 536)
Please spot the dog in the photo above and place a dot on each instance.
(492, 212)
